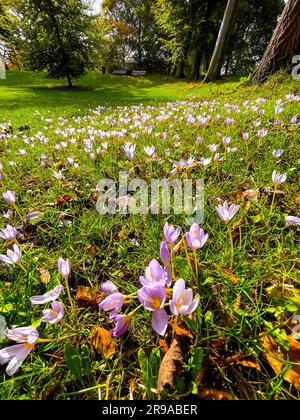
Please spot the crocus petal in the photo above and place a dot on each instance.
(109, 287)
(178, 290)
(160, 321)
(173, 307)
(152, 298)
(22, 334)
(5, 259)
(21, 351)
(47, 297)
(112, 302)
(193, 305)
(122, 325)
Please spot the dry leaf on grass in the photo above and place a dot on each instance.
(215, 395)
(243, 360)
(179, 329)
(277, 357)
(170, 367)
(103, 342)
(164, 346)
(62, 200)
(88, 296)
(44, 275)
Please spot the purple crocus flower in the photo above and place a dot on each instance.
(226, 141)
(182, 302)
(171, 234)
(277, 153)
(54, 315)
(155, 275)
(150, 151)
(64, 267)
(122, 324)
(292, 221)
(129, 149)
(47, 297)
(226, 212)
(278, 178)
(9, 233)
(153, 299)
(108, 288)
(196, 237)
(213, 148)
(15, 355)
(10, 197)
(12, 257)
(165, 255)
(113, 303)
(262, 133)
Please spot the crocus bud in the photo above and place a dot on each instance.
(10, 197)
(64, 267)
(165, 253)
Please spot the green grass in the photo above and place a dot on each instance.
(236, 309)
(24, 94)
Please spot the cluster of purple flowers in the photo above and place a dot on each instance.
(156, 283)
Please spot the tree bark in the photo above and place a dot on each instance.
(197, 64)
(283, 45)
(216, 62)
(70, 84)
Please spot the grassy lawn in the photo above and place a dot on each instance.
(24, 94)
(246, 275)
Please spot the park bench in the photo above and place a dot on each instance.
(119, 72)
(138, 73)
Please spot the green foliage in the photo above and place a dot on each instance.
(57, 36)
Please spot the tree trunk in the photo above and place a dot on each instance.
(197, 64)
(70, 84)
(283, 45)
(180, 69)
(222, 41)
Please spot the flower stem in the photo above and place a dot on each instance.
(69, 295)
(196, 263)
(17, 211)
(188, 259)
(51, 340)
(172, 262)
(273, 199)
(231, 246)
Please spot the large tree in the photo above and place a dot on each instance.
(283, 46)
(57, 36)
(132, 33)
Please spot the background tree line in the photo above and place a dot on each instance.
(178, 37)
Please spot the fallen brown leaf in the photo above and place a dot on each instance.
(170, 367)
(88, 296)
(179, 329)
(102, 341)
(62, 200)
(215, 395)
(277, 357)
(44, 275)
(164, 346)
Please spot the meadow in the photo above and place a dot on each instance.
(233, 335)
